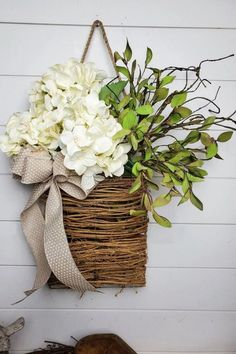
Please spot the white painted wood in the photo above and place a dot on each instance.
(191, 266)
(211, 13)
(202, 246)
(167, 289)
(216, 194)
(170, 46)
(14, 91)
(193, 246)
(143, 330)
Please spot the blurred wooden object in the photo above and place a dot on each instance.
(103, 344)
(93, 344)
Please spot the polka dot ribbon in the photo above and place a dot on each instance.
(44, 230)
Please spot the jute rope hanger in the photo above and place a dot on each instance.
(99, 24)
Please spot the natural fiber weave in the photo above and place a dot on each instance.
(106, 242)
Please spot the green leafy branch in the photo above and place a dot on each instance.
(150, 111)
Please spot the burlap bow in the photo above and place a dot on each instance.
(45, 231)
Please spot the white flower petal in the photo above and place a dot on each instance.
(72, 148)
(119, 172)
(102, 145)
(66, 137)
(87, 181)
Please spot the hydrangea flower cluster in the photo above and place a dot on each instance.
(67, 115)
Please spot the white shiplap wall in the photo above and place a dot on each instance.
(189, 304)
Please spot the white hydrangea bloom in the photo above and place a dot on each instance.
(88, 145)
(64, 84)
(66, 114)
(20, 131)
(49, 126)
(24, 129)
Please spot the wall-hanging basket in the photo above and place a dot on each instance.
(107, 243)
(92, 151)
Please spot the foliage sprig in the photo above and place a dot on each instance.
(150, 111)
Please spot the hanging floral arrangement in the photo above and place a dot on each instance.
(91, 139)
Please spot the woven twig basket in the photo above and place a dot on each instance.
(107, 243)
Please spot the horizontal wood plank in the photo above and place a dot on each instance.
(182, 246)
(148, 330)
(167, 289)
(122, 13)
(218, 196)
(190, 50)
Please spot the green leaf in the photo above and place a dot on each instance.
(128, 52)
(158, 119)
(166, 80)
(144, 125)
(123, 70)
(177, 182)
(114, 89)
(185, 198)
(162, 200)
(150, 173)
(192, 137)
(197, 163)
(137, 167)
(150, 87)
(174, 118)
(148, 154)
(175, 193)
(133, 68)
(125, 100)
(212, 150)
(171, 167)
(183, 111)
(178, 99)
(117, 56)
(148, 56)
(145, 110)
(193, 178)
(121, 134)
(136, 185)
(218, 157)
(198, 172)
(134, 142)
(152, 185)
(180, 156)
(223, 137)
(206, 139)
(167, 181)
(142, 84)
(161, 220)
(160, 94)
(185, 184)
(130, 120)
(208, 123)
(195, 201)
(146, 202)
(137, 212)
(166, 178)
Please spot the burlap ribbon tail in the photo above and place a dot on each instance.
(44, 229)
